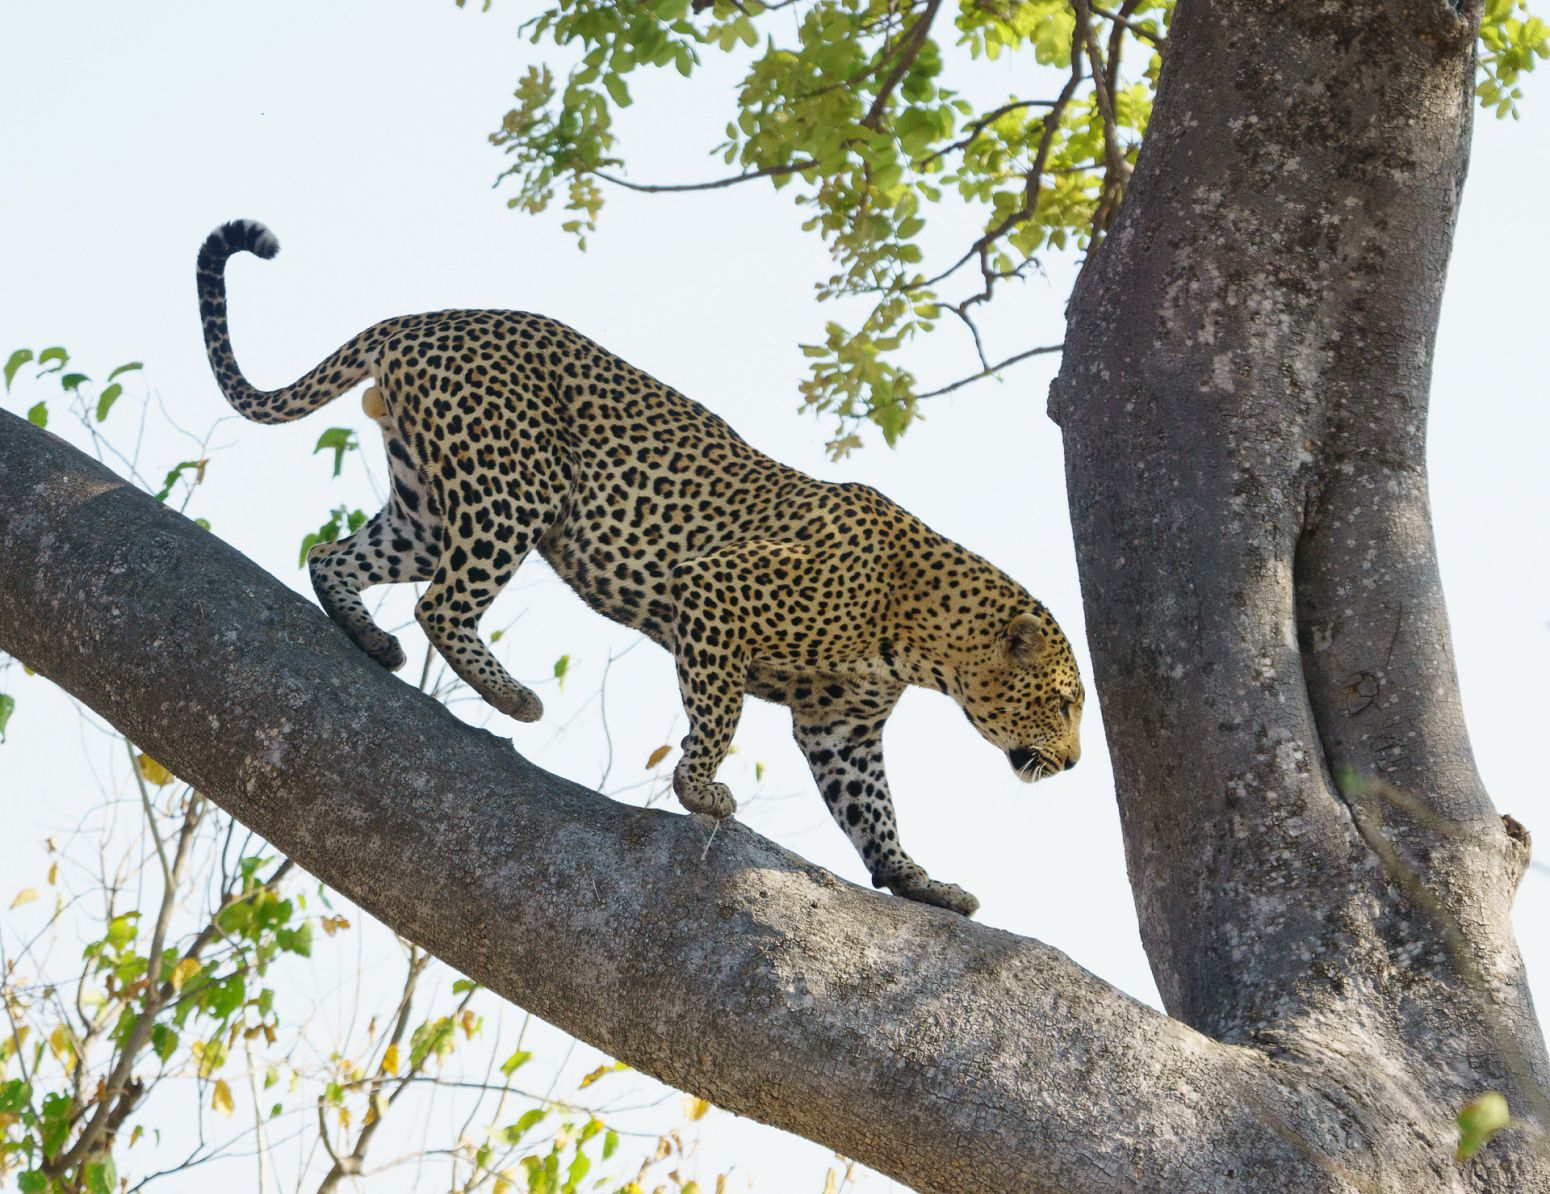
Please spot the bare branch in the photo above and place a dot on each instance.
(665, 188)
(977, 127)
(1122, 20)
(990, 370)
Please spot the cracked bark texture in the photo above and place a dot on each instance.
(1323, 885)
(1319, 872)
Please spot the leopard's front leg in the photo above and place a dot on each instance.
(712, 678)
(842, 738)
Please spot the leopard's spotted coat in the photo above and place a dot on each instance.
(508, 433)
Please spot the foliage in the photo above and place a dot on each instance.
(1481, 1119)
(1510, 40)
(869, 113)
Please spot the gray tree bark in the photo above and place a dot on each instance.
(1319, 872)
(1323, 885)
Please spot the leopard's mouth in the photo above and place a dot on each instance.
(1032, 764)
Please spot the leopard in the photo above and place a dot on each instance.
(508, 433)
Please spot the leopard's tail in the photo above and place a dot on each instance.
(345, 368)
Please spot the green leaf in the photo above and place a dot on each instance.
(7, 707)
(337, 440)
(561, 670)
(52, 354)
(610, 1143)
(15, 1096)
(296, 941)
(617, 90)
(32, 1182)
(1481, 1119)
(520, 1058)
(122, 369)
(172, 477)
(164, 1041)
(101, 1177)
(72, 381)
(121, 930)
(106, 399)
(55, 1123)
(38, 415)
(516, 1131)
(14, 362)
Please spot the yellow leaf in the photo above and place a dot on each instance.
(135, 1135)
(220, 1098)
(503, 1182)
(25, 896)
(696, 1108)
(657, 756)
(183, 971)
(390, 1060)
(53, 873)
(600, 1072)
(344, 1117)
(12, 1047)
(61, 1043)
(152, 771)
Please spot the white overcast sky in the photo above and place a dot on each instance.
(357, 132)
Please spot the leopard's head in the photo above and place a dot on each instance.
(1021, 689)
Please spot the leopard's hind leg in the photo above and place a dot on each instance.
(390, 548)
(485, 538)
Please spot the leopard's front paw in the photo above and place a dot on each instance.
(713, 799)
(912, 882)
(520, 704)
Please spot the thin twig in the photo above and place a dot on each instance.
(1122, 19)
(994, 369)
(663, 188)
(977, 127)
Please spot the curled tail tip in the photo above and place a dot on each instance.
(237, 236)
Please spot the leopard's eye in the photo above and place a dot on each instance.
(1065, 710)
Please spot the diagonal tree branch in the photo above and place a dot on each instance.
(945, 1053)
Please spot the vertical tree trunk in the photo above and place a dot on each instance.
(1318, 869)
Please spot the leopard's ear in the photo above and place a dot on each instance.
(1027, 637)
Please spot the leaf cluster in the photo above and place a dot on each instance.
(852, 107)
